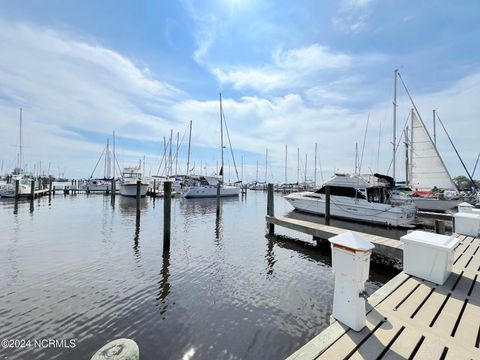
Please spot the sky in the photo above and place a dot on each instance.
(290, 73)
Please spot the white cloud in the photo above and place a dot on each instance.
(298, 68)
(352, 16)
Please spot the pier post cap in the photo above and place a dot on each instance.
(119, 349)
(351, 241)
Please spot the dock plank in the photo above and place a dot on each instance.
(404, 346)
(383, 246)
(410, 316)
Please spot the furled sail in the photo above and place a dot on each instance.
(427, 167)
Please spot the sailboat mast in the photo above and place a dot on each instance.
(394, 141)
(356, 158)
(434, 128)
(176, 154)
(221, 134)
(306, 168)
(266, 165)
(20, 154)
(286, 158)
(114, 156)
(298, 166)
(189, 143)
(256, 179)
(315, 168)
(170, 155)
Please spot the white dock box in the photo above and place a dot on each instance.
(351, 265)
(467, 223)
(428, 256)
(465, 207)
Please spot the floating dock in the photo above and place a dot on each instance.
(411, 318)
(386, 251)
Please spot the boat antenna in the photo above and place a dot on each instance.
(456, 151)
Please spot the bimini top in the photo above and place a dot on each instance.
(347, 180)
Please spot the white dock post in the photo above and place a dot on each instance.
(120, 349)
(351, 266)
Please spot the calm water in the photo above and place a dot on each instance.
(79, 268)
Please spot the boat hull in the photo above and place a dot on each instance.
(8, 191)
(439, 205)
(355, 209)
(210, 192)
(131, 190)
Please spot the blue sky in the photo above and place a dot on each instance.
(290, 73)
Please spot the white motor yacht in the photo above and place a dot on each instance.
(128, 183)
(353, 197)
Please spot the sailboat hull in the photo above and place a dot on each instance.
(355, 209)
(210, 192)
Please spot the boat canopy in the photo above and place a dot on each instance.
(211, 180)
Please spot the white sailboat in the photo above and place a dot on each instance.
(428, 171)
(104, 184)
(206, 186)
(353, 197)
(24, 182)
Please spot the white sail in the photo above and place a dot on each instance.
(427, 167)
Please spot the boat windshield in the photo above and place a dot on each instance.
(132, 175)
(342, 191)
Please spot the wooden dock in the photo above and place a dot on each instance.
(386, 250)
(411, 318)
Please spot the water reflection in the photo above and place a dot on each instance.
(218, 225)
(191, 207)
(136, 246)
(31, 206)
(128, 205)
(164, 284)
(270, 255)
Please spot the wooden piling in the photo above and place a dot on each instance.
(112, 186)
(270, 208)
(167, 208)
(440, 226)
(50, 187)
(139, 186)
(32, 189)
(327, 205)
(17, 186)
(154, 187)
(218, 198)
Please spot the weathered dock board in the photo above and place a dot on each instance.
(384, 247)
(410, 318)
